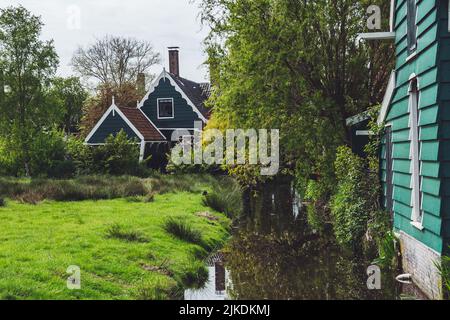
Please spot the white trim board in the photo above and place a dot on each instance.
(113, 108)
(387, 98)
(167, 76)
(377, 36)
(392, 17)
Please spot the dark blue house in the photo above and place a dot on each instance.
(172, 103)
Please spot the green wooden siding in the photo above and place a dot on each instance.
(432, 67)
(184, 116)
(112, 125)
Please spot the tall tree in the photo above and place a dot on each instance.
(115, 60)
(94, 107)
(69, 95)
(28, 66)
(295, 66)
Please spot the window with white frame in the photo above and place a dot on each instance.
(411, 25)
(165, 108)
(449, 15)
(416, 180)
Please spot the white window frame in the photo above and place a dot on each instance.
(448, 15)
(413, 53)
(414, 120)
(157, 108)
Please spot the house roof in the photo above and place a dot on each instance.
(142, 124)
(198, 93)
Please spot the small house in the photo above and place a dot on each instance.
(172, 103)
(415, 153)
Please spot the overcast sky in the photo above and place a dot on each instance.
(163, 22)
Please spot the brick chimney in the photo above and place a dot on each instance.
(174, 61)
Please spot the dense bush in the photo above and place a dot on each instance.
(2, 202)
(226, 198)
(316, 196)
(48, 157)
(118, 156)
(356, 199)
(9, 164)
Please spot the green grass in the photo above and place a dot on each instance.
(83, 188)
(182, 230)
(121, 246)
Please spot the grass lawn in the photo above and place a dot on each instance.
(39, 242)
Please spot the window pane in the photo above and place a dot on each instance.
(412, 9)
(165, 108)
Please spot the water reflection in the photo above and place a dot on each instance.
(218, 282)
(275, 254)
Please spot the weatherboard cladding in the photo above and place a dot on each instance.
(112, 125)
(184, 115)
(432, 67)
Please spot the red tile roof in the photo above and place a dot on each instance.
(142, 124)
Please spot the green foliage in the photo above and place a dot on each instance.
(317, 194)
(183, 231)
(2, 202)
(68, 96)
(356, 199)
(27, 65)
(117, 231)
(294, 66)
(48, 156)
(81, 156)
(227, 200)
(195, 276)
(117, 156)
(444, 271)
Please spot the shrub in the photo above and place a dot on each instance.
(226, 199)
(183, 231)
(387, 251)
(117, 156)
(80, 155)
(48, 156)
(117, 231)
(2, 202)
(195, 276)
(444, 271)
(356, 199)
(47, 152)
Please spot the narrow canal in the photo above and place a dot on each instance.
(275, 254)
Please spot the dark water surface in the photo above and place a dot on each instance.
(275, 254)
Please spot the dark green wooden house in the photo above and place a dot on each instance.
(416, 144)
(172, 104)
